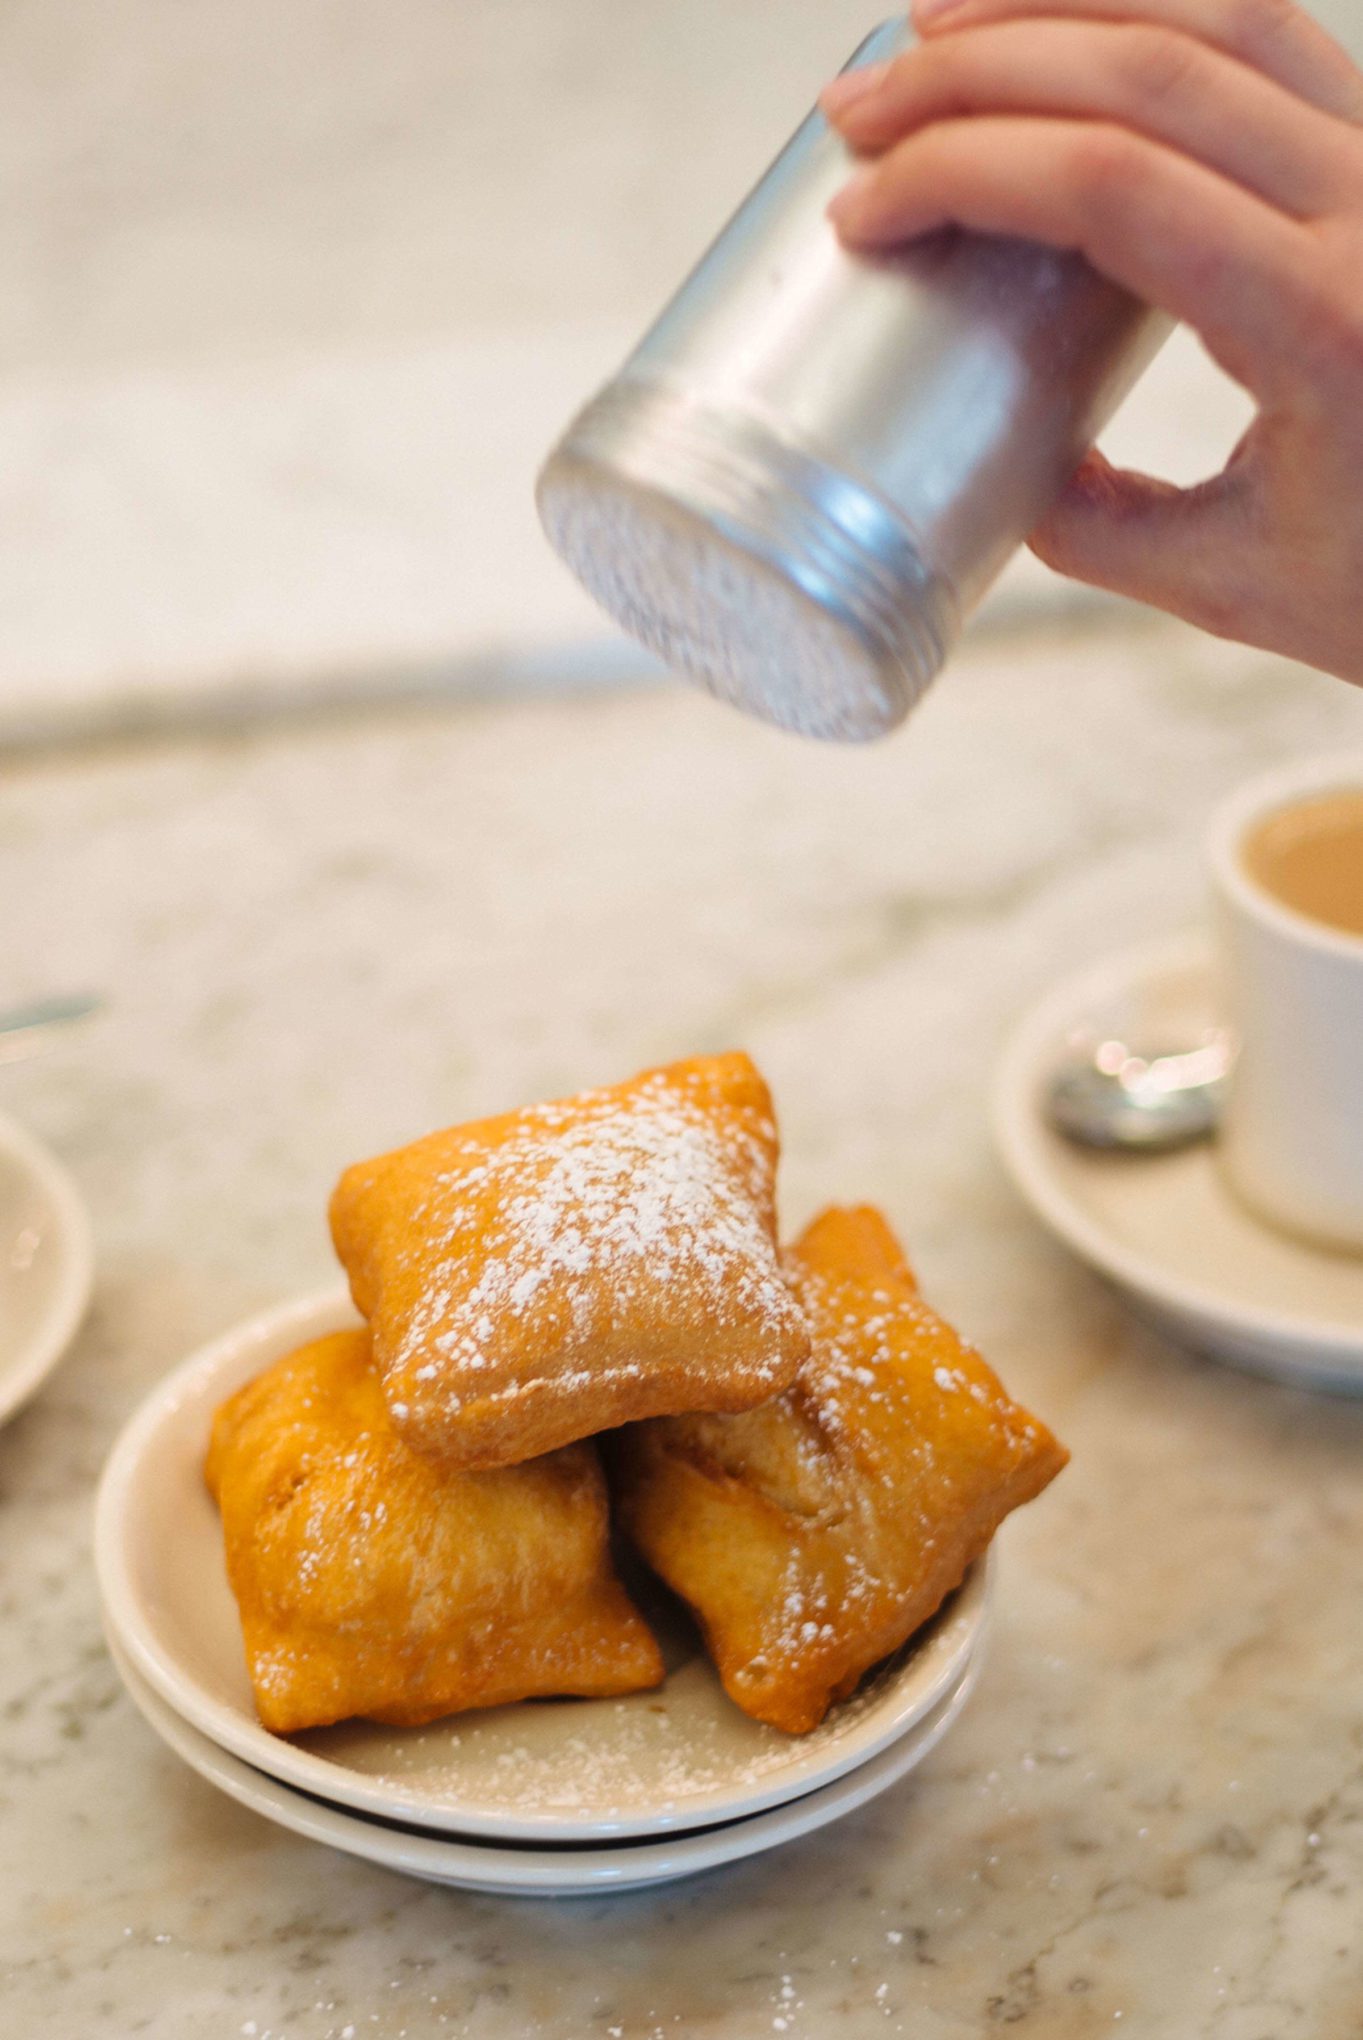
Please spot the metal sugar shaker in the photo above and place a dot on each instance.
(816, 462)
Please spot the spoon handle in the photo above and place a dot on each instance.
(30, 1030)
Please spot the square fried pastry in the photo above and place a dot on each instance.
(557, 1271)
(372, 1582)
(814, 1535)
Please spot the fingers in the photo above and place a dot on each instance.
(1176, 549)
(1163, 84)
(1272, 36)
(1174, 233)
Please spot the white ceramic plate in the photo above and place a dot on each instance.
(1166, 1228)
(526, 1871)
(46, 1265)
(550, 1771)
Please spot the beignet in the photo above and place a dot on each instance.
(814, 1535)
(372, 1582)
(535, 1278)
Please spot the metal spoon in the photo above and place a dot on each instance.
(1109, 1095)
(31, 1030)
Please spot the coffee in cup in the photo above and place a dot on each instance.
(1309, 857)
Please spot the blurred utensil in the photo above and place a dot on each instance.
(1110, 1095)
(31, 1030)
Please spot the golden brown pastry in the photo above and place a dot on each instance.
(372, 1582)
(554, 1272)
(814, 1535)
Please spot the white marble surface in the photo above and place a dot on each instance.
(327, 937)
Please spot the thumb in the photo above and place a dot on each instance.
(1181, 550)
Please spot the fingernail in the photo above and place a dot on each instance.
(850, 200)
(852, 87)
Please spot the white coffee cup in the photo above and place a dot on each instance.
(1292, 1142)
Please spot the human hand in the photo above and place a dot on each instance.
(1207, 154)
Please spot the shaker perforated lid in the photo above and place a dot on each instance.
(745, 563)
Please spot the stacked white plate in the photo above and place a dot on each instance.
(46, 1265)
(545, 1798)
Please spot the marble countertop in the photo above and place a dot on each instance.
(324, 936)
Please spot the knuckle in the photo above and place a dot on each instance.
(925, 74)
(1102, 167)
(940, 75)
(1326, 298)
(903, 73)
(1332, 334)
(1209, 268)
(1160, 64)
(1223, 610)
(1255, 28)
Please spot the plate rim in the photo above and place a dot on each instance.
(270, 1332)
(1021, 1134)
(20, 1382)
(562, 1873)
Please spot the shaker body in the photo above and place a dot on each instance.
(848, 447)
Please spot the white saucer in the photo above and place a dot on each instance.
(1166, 1228)
(547, 1771)
(46, 1265)
(528, 1872)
